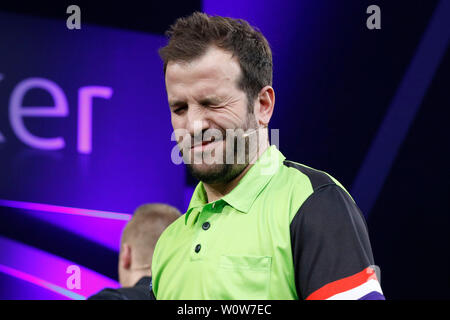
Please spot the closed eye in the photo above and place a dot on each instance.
(178, 107)
(209, 102)
(179, 110)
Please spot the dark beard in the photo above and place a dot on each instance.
(225, 172)
(222, 173)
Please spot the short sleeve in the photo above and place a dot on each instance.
(331, 250)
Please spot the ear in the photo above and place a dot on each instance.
(265, 105)
(125, 256)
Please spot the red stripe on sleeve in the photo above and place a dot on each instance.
(344, 284)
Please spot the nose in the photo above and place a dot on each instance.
(197, 122)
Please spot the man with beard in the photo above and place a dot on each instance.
(258, 226)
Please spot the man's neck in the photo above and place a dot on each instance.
(217, 191)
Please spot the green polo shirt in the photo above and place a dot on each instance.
(247, 245)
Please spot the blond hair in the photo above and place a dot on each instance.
(146, 225)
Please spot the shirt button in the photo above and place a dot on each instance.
(206, 226)
(197, 248)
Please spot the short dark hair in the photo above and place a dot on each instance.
(190, 37)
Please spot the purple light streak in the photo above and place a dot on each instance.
(48, 271)
(102, 227)
(66, 210)
(41, 283)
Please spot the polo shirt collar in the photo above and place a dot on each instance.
(248, 188)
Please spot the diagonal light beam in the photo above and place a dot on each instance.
(403, 108)
(65, 210)
(40, 282)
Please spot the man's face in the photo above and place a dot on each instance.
(203, 94)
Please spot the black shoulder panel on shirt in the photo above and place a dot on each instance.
(318, 178)
(329, 240)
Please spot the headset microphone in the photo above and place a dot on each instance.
(245, 135)
(249, 133)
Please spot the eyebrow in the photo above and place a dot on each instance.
(210, 100)
(177, 103)
(205, 101)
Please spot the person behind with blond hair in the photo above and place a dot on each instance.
(137, 244)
